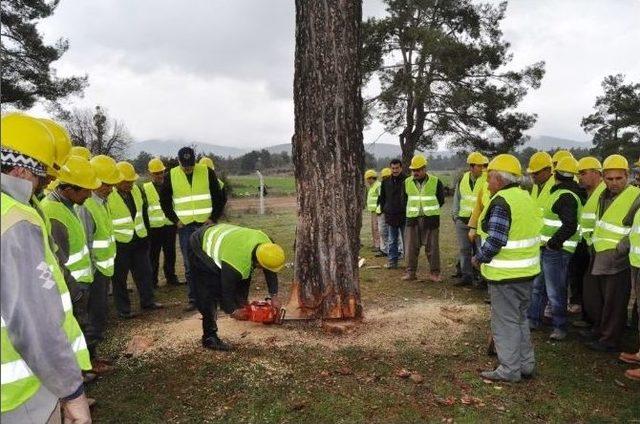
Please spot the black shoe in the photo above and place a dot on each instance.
(456, 275)
(601, 347)
(126, 315)
(214, 343)
(153, 306)
(380, 255)
(173, 281)
(190, 307)
(462, 283)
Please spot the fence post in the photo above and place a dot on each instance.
(261, 192)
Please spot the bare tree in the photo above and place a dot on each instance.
(328, 156)
(98, 132)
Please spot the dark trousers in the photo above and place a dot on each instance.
(163, 238)
(80, 304)
(207, 290)
(184, 234)
(606, 299)
(98, 305)
(134, 257)
(578, 266)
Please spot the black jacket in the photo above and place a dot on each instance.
(567, 210)
(393, 200)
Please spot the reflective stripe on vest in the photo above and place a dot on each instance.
(634, 241)
(154, 210)
(469, 197)
(520, 258)
(609, 228)
(588, 216)
(422, 202)
(372, 197)
(19, 384)
(79, 261)
(541, 197)
(233, 245)
(191, 202)
(551, 221)
(123, 225)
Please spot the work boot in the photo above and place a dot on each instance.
(380, 254)
(558, 335)
(498, 376)
(391, 265)
(190, 307)
(633, 374)
(630, 358)
(466, 281)
(100, 368)
(173, 281)
(409, 276)
(214, 343)
(126, 315)
(436, 278)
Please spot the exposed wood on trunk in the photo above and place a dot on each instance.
(329, 158)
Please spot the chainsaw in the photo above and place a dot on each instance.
(262, 311)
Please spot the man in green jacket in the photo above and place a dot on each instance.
(223, 258)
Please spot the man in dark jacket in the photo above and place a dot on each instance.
(560, 237)
(393, 202)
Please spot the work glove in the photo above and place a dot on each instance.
(76, 411)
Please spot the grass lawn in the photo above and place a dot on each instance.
(247, 185)
(286, 377)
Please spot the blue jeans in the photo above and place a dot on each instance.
(184, 234)
(396, 235)
(551, 286)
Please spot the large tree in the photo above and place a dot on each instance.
(97, 131)
(328, 156)
(440, 65)
(27, 75)
(615, 124)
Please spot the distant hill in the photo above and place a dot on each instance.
(379, 150)
(171, 147)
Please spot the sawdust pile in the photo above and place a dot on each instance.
(434, 324)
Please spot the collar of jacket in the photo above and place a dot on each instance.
(17, 188)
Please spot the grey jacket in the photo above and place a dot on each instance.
(32, 310)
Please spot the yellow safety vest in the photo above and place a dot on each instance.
(551, 221)
(154, 210)
(520, 257)
(588, 215)
(468, 197)
(104, 240)
(372, 197)
(609, 228)
(123, 225)
(634, 241)
(541, 197)
(422, 202)
(19, 383)
(191, 202)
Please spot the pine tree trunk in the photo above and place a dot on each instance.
(328, 155)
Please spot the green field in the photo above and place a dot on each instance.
(286, 377)
(247, 185)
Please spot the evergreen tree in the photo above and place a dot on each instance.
(615, 124)
(441, 69)
(27, 75)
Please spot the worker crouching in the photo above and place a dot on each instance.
(223, 258)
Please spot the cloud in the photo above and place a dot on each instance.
(221, 71)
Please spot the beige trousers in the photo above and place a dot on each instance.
(416, 236)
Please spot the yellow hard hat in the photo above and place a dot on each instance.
(506, 163)
(615, 162)
(567, 164)
(79, 172)
(80, 151)
(418, 161)
(61, 140)
(477, 158)
(270, 256)
(208, 162)
(559, 155)
(106, 169)
(385, 172)
(539, 161)
(589, 163)
(156, 165)
(28, 136)
(370, 174)
(127, 170)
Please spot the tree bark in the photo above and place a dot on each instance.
(328, 157)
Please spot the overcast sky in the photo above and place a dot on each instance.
(221, 71)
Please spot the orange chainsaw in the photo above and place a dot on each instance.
(262, 311)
